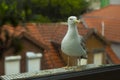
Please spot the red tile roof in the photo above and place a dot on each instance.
(61, 31)
(52, 32)
(111, 11)
(42, 34)
(45, 33)
(110, 15)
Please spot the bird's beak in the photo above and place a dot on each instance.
(77, 21)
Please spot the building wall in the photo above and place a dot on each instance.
(94, 4)
(97, 4)
(1, 67)
(114, 1)
(28, 46)
(93, 44)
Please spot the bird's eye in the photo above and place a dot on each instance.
(71, 19)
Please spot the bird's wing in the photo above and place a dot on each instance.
(80, 38)
(82, 42)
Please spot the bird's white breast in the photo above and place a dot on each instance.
(71, 43)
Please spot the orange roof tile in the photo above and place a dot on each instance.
(110, 16)
(111, 11)
(62, 29)
(42, 34)
(45, 33)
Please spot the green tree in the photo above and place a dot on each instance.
(57, 10)
(21, 11)
(12, 12)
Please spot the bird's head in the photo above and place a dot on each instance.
(72, 20)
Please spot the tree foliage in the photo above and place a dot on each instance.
(16, 11)
(57, 10)
(13, 11)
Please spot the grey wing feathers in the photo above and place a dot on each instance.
(82, 42)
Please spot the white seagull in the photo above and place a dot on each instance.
(72, 44)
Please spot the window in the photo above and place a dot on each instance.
(98, 58)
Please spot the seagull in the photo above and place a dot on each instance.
(73, 43)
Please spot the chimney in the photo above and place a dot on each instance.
(33, 61)
(103, 28)
(12, 65)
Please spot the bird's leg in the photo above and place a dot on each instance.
(68, 63)
(78, 61)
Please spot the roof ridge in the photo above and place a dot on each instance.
(33, 29)
(102, 17)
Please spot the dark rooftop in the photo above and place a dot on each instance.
(88, 72)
